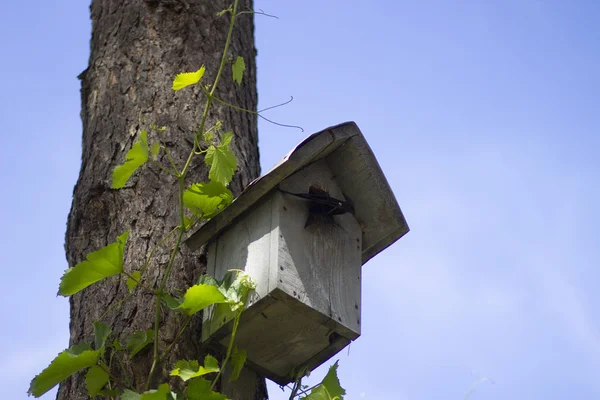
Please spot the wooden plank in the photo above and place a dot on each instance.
(320, 262)
(245, 246)
(356, 170)
(314, 147)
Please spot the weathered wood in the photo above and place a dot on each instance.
(307, 301)
(358, 174)
(137, 48)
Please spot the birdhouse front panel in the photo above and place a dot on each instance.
(304, 250)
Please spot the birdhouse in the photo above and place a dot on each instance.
(302, 232)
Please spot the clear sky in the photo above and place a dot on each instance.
(484, 117)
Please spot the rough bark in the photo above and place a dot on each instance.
(137, 48)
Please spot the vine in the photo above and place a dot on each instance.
(104, 361)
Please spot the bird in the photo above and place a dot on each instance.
(322, 202)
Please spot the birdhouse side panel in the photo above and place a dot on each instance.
(245, 245)
(319, 252)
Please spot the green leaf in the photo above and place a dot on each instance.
(198, 297)
(67, 363)
(187, 370)
(238, 69)
(188, 78)
(199, 389)
(100, 264)
(129, 395)
(95, 379)
(132, 283)
(208, 280)
(138, 341)
(318, 393)
(154, 149)
(162, 393)
(329, 388)
(238, 359)
(207, 199)
(171, 302)
(211, 363)
(116, 345)
(332, 383)
(221, 160)
(135, 158)
(236, 290)
(101, 332)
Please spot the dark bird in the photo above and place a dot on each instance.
(323, 203)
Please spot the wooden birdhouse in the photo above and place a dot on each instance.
(302, 232)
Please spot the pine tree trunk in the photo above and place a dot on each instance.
(137, 48)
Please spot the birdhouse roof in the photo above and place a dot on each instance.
(356, 171)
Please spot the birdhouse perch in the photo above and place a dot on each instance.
(302, 231)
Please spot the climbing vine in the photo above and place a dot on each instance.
(103, 359)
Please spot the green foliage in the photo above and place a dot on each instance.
(207, 199)
(238, 68)
(188, 78)
(238, 359)
(199, 389)
(101, 333)
(100, 264)
(129, 395)
(154, 149)
(221, 160)
(198, 297)
(76, 358)
(135, 158)
(138, 341)
(329, 388)
(236, 286)
(187, 370)
(162, 393)
(133, 281)
(95, 379)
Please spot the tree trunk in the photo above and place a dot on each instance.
(137, 48)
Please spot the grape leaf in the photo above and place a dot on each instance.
(188, 78)
(329, 388)
(132, 283)
(207, 199)
(100, 264)
(199, 389)
(187, 370)
(162, 393)
(221, 160)
(101, 332)
(171, 302)
(238, 359)
(318, 393)
(238, 69)
(129, 395)
(332, 383)
(95, 379)
(200, 296)
(135, 158)
(76, 358)
(138, 341)
(154, 149)
(236, 290)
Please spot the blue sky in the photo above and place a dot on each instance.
(483, 116)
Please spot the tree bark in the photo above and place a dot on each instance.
(137, 48)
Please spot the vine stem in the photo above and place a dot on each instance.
(181, 177)
(229, 348)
